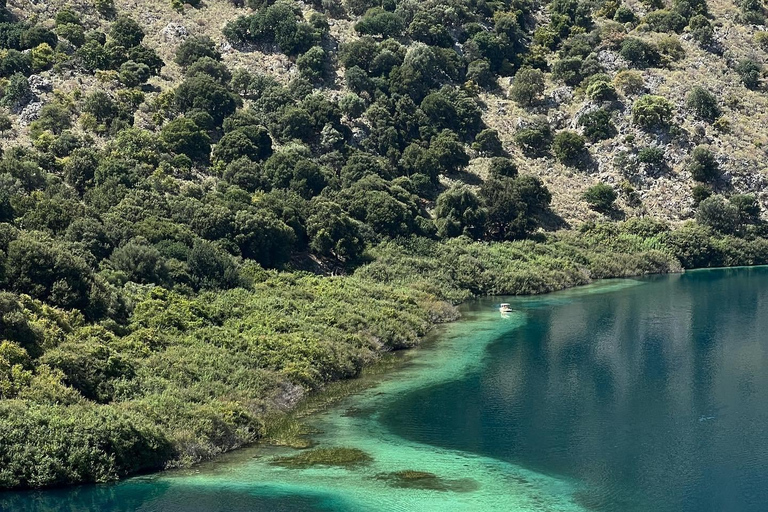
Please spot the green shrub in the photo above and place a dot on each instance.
(194, 49)
(597, 124)
(718, 214)
(652, 156)
(487, 143)
(701, 30)
(126, 32)
(600, 197)
(639, 53)
(527, 86)
(379, 22)
(703, 104)
(629, 82)
(703, 166)
(748, 206)
(750, 72)
(183, 136)
(651, 112)
(535, 139)
(502, 167)
(568, 146)
(458, 211)
(700, 193)
(625, 15)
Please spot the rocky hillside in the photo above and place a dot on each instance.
(661, 188)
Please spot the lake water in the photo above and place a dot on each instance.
(628, 395)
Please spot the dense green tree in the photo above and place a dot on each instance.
(527, 87)
(513, 205)
(600, 197)
(702, 165)
(487, 143)
(194, 49)
(651, 112)
(205, 93)
(718, 214)
(568, 146)
(126, 32)
(535, 139)
(749, 207)
(750, 72)
(458, 211)
(379, 22)
(47, 271)
(183, 136)
(639, 53)
(252, 142)
(597, 125)
(334, 233)
(703, 104)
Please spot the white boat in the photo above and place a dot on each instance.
(504, 308)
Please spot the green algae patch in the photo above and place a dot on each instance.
(424, 480)
(339, 457)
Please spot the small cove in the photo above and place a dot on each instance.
(625, 395)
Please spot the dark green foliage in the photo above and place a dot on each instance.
(183, 136)
(211, 68)
(701, 30)
(568, 70)
(278, 23)
(600, 197)
(379, 22)
(535, 139)
(598, 124)
(313, 63)
(527, 87)
(568, 146)
(126, 32)
(651, 112)
(459, 212)
(703, 166)
(752, 11)
(133, 74)
(47, 271)
(652, 156)
(487, 143)
(665, 21)
(624, 15)
(513, 205)
(15, 62)
(202, 92)
(639, 53)
(479, 72)
(17, 91)
(748, 206)
(703, 103)
(700, 193)
(502, 167)
(252, 142)
(718, 214)
(194, 49)
(750, 72)
(334, 233)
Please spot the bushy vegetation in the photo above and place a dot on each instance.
(183, 255)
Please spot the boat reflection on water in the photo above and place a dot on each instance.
(505, 310)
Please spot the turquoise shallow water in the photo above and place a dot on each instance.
(625, 395)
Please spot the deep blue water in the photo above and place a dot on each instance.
(653, 397)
